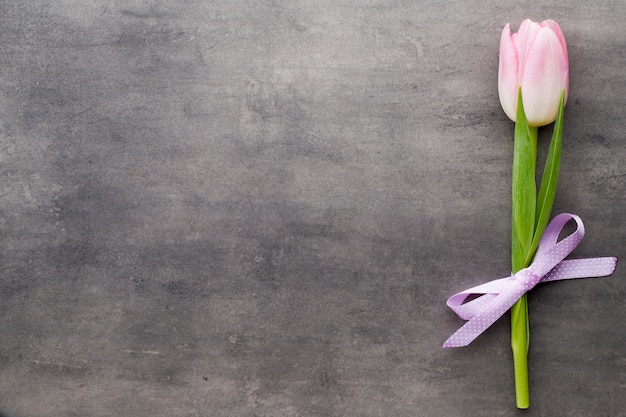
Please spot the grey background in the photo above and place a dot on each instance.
(259, 208)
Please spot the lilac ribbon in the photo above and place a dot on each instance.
(498, 296)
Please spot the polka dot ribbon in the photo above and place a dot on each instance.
(498, 296)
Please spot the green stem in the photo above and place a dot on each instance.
(530, 215)
(524, 198)
(519, 345)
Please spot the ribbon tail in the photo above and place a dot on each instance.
(479, 323)
(582, 268)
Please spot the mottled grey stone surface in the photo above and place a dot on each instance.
(259, 208)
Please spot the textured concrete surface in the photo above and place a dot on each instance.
(259, 208)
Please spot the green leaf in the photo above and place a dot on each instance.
(549, 181)
(524, 189)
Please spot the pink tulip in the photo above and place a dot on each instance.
(534, 58)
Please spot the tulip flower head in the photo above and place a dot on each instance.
(535, 59)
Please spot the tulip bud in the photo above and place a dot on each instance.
(535, 59)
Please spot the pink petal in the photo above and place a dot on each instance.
(564, 59)
(557, 31)
(542, 78)
(508, 72)
(524, 37)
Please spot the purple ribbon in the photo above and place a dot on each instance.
(499, 295)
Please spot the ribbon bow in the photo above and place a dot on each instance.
(499, 295)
